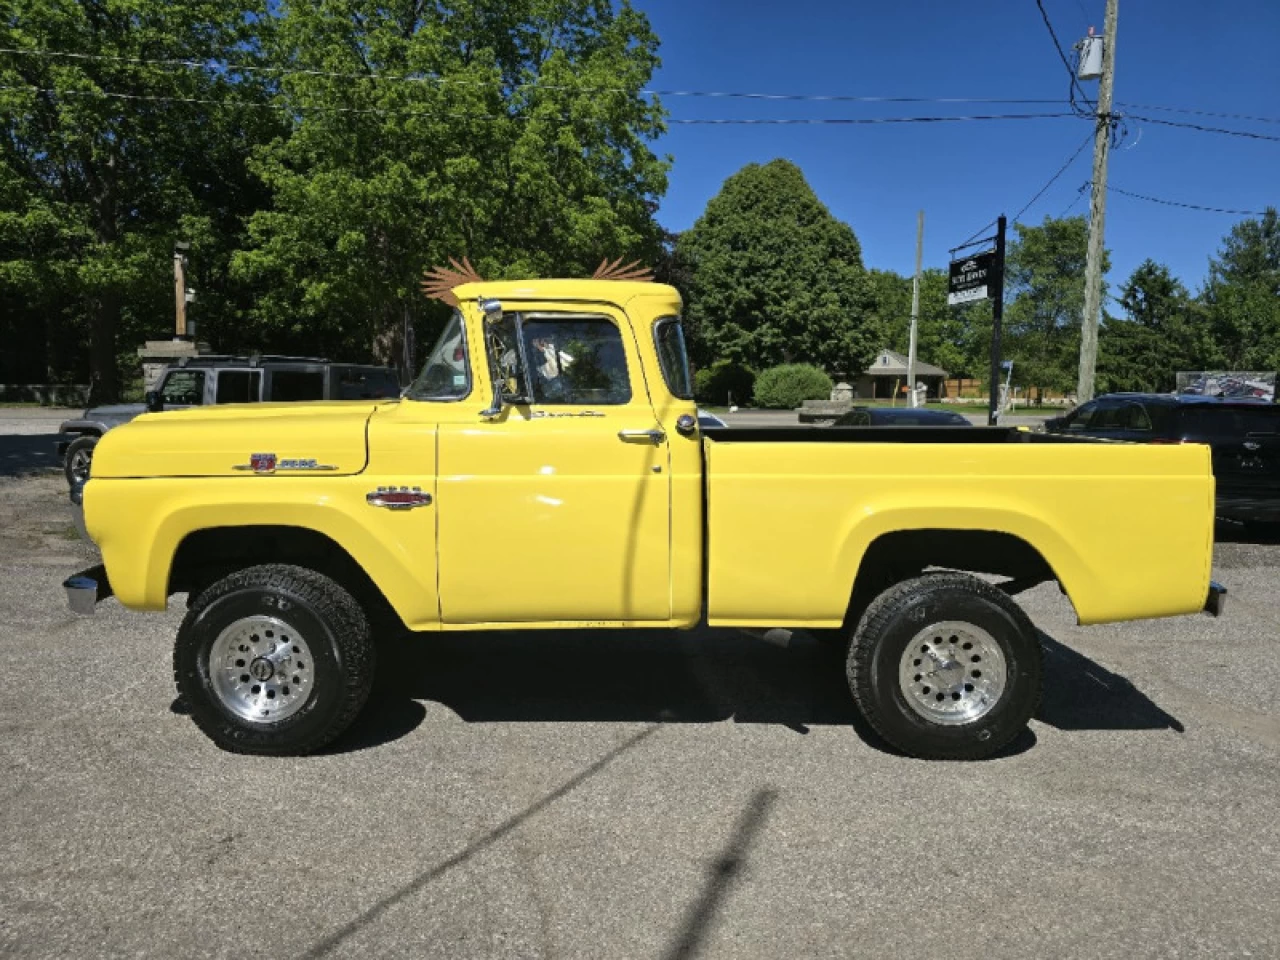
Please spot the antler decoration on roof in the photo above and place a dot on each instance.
(438, 282)
(615, 271)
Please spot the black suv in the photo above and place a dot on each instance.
(1243, 434)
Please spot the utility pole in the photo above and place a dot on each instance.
(180, 289)
(997, 326)
(1097, 211)
(915, 310)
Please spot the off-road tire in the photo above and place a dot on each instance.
(81, 448)
(895, 618)
(337, 633)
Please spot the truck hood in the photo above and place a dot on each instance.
(321, 438)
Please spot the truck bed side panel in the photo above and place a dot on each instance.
(1127, 529)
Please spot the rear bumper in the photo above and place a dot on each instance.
(86, 589)
(1216, 602)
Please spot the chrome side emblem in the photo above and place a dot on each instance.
(259, 463)
(268, 463)
(398, 498)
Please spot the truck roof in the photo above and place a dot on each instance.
(606, 291)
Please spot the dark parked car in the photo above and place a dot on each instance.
(900, 417)
(225, 379)
(1243, 434)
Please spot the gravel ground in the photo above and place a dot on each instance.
(633, 795)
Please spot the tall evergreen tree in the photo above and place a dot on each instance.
(1159, 336)
(1242, 296)
(776, 278)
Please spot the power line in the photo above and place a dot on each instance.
(1199, 113)
(209, 65)
(1079, 194)
(1039, 193)
(1061, 170)
(1075, 83)
(536, 85)
(1188, 206)
(706, 121)
(1203, 129)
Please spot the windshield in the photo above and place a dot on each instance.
(446, 375)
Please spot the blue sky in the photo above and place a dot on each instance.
(1179, 53)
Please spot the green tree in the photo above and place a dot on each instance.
(943, 332)
(1242, 296)
(1159, 336)
(95, 188)
(1044, 284)
(519, 138)
(775, 277)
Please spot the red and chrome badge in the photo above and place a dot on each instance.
(262, 462)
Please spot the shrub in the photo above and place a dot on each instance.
(724, 377)
(788, 386)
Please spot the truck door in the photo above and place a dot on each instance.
(558, 509)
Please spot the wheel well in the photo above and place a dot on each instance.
(903, 554)
(205, 556)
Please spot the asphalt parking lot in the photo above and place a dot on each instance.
(594, 795)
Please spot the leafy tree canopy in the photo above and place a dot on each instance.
(775, 277)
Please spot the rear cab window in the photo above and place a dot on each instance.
(673, 358)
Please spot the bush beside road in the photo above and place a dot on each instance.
(632, 794)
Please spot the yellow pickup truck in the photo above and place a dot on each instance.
(547, 471)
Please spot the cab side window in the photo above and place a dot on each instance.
(1134, 419)
(575, 361)
(183, 388)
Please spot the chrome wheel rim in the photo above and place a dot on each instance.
(952, 672)
(80, 461)
(261, 669)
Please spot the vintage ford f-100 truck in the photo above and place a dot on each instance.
(547, 471)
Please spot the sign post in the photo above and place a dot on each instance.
(997, 323)
(981, 277)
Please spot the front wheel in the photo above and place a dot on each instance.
(79, 458)
(946, 667)
(274, 659)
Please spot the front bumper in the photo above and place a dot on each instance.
(1216, 602)
(87, 589)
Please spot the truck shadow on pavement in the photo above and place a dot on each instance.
(27, 453)
(701, 676)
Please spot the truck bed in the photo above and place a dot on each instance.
(1125, 528)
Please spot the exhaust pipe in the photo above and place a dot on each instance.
(82, 594)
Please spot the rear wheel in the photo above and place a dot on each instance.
(79, 458)
(274, 659)
(945, 666)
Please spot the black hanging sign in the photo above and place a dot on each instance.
(973, 278)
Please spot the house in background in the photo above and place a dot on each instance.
(887, 377)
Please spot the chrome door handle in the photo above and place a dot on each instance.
(654, 435)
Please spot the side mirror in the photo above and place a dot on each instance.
(155, 401)
(1055, 424)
